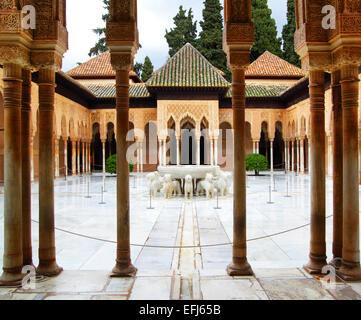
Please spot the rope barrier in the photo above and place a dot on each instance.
(185, 247)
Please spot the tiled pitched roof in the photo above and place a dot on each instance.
(259, 91)
(97, 67)
(187, 68)
(270, 65)
(137, 90)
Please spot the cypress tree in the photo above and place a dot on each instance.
(138, 67)
(266, 30)
(147, 69)
(288, 33)
(101, 45)
(211, 36)
(185, 30)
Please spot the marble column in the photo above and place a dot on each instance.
(286, 155)
(84, 156)
(178, 152)
(103, 152)
(216, 152)
(337, 170)
(298, 154)
(26, 166)
(73, 157)
(66, 157)
(350, 269)
(257, 147)
(198, 152)
(13, 251)
(56, 156)
(78, 157)
(254, 146)
(302, 155)
(211, 151)
(164, 152)
(141, 156)
(239, 265)
(47, 252)
(292, 156)
(271, 155)
(160, 152)
(124, 265)
(138, 156)
(318, 179)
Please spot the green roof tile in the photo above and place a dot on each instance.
(187, 68)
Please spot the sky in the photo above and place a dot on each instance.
(154, 17)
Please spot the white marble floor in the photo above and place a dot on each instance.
(278, 237)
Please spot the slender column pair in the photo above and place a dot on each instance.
(17, 165)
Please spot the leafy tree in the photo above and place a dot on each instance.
(288, 33)
(185, 30)
(138, 67)
(266, 30)
(111, 164)
(101, 45)
(211, 36)
(256, 163)
(147, 70)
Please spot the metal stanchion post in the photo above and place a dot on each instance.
(217, 207)
(287, 195)
(104, 190)
(150, 200)
(88, 196)
(274, 184)
(270, 196)
(102, 202)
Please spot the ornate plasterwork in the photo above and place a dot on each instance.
(14, 54)
(7, 4)
(10, 22)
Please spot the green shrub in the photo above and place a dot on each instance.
(256, 163)
(111, 164)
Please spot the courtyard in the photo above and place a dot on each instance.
(182, 247)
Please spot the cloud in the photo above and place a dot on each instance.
(154, 17)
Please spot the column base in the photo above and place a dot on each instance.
(48, 269)
(240, 269)
(9, 279)
(122, 270)
(316, 264)
(350, 271)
